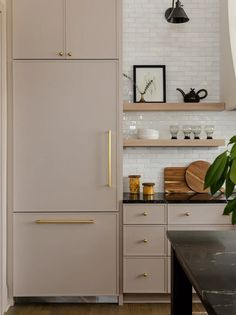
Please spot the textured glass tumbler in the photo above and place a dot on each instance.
(187, 130)
(197, 132)
(209, 130)
(174, 130)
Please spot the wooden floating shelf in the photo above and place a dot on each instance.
(149, 107)
(173, 143)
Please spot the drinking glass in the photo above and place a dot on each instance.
(209, 130)
(187, 130)
(197, 131)
(174, 130)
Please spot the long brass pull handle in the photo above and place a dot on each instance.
(64, 221)
(109, 159)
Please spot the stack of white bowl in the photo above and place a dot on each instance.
(148, 134)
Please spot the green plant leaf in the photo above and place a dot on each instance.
(231, 205)
(232, 140)
(233, 152)
(216, 170)
(218, 185)
(229, 187)
(234, 217)
(232, 174)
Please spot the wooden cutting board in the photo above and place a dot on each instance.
(174, 180)
(195, 176)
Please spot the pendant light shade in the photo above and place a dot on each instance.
(176, 14)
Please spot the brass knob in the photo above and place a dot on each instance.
(69, 54)
(145, 240)
(187, 214)
(145, 275)
(60, 54)
(145, 213)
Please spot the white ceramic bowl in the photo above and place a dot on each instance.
(151, 134)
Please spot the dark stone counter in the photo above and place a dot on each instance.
(173, 198)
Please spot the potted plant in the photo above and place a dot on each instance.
(223, 171)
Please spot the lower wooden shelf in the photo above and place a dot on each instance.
(173, 143)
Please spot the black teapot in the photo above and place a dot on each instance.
(192, 96)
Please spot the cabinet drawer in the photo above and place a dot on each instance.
(144, 214)
(197, 214)
(144, 240)
(144, 275)
(53, 258)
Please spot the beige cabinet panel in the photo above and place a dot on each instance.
(65, 259)
(38, 29)
(197, 214)
(144, 240)
(91, 29)
(144, 214)
(62, 113)
(144, 275)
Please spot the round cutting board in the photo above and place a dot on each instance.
(195, 176)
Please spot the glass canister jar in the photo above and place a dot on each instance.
(134, 184)
(148, 189)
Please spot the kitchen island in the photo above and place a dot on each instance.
(205, 260)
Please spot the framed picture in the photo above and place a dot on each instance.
(149, 84)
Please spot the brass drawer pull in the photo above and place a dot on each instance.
(145, 214)
(145, 275)
(64, 221)
(145, 241)
(60, 53)
(69, 54)
(187, 214)
(109, 159)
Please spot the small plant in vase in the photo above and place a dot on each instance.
(148, 88)
(223, 171)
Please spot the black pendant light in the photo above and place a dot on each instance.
(176, 14)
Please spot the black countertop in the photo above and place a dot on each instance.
(209, 261)
(173, 198)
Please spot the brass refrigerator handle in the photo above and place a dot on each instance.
(109, 158)
(64, 221)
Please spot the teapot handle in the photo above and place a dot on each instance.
(204, 96)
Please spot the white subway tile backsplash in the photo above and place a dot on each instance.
(191, 53)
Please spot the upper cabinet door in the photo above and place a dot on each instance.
(38, 29)
(91, 29)
(64, 154)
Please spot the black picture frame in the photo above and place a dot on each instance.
(137, 96)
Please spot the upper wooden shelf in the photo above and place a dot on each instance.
(173, 143)
(142, 107)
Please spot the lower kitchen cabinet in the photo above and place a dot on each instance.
(144, 275)
(144, 240)
(65, 254)
(146, 250)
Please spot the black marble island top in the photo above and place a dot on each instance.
(209, 261)
(173, 198)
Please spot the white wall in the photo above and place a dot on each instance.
(191, 53)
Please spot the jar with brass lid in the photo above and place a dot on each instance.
(134, 184)
(148, 189)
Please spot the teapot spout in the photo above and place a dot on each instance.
(181, 91)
